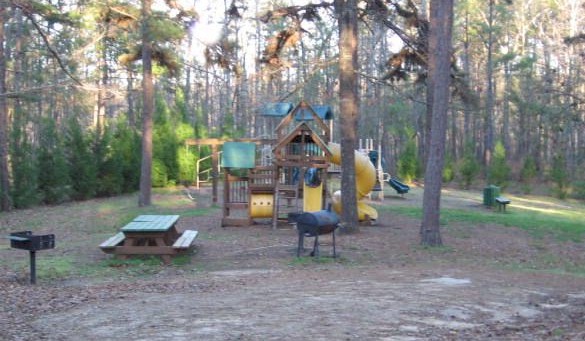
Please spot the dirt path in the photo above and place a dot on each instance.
(331, 304)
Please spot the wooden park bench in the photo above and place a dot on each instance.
(502, 202)
(150, 235)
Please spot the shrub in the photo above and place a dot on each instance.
(126, 147)
(408, 164)
(499, 171)
(448, 169)
(469, 168)
(160, 176)
(54, 181)
(559, 176)
(81, 163)
(527, 174)
(24, 190)
(579, 190)
(110, 179)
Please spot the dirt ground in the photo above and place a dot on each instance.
(245, 283)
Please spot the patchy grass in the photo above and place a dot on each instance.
(308, 260)
(563, 225)
(80, 227)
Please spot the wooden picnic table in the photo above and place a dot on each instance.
(150, 235)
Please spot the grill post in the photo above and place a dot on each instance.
(33, 266)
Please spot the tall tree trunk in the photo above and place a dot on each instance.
(489, 114)
(348, 43)
(5, 204)
(130, 97)
(441, 24)
(144, 198)
(468, 132)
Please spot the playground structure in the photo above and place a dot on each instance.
(292, 177)
(375, 156)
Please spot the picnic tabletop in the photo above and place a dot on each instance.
(151, 223)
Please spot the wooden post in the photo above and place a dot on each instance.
(214, 171)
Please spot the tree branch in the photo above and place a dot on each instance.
(48, 45)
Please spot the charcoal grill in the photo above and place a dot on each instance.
(25, 240)
(313, 224)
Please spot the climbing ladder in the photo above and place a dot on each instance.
(286, 198)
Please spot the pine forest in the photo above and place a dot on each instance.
(83, 82)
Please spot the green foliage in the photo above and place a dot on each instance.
(560, 176)
(469, 167)
(110, 179)
(24, 191)
(499, 172)
(200, 126)
(160, 175)
(579, 190)
(408, 164)
(81, 164)
(126, 147)
(528, 173)
(164, 140)
(186, 159)
(448, 169)
(54, 180)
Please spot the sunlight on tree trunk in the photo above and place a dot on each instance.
(144, 198)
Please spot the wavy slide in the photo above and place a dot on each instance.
(365, 179)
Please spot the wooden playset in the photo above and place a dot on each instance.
(289, 179)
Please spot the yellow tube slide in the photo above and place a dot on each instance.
(365, 179)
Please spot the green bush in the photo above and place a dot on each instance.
(126, 147)
(468, 167)
(81, 163)
(186, 159)
(24, 190)
(499, 171)
(560, 176)
(110, 179)
(448, 169)
(527, 174)
(53, 178)
(408, 165)
(579, 190)
(160, 177)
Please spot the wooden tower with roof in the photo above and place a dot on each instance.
(301, 149)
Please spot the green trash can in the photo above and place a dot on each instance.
(490, 193)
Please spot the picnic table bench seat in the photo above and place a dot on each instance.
(110, 244)
(186, 239)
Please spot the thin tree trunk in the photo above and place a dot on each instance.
(144, 198)
(348, 43)
(489, 115)
(441, 19)
(5, 203)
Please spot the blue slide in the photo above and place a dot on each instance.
(398, 186)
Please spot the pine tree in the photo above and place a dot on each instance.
(81, 163)
(499, 172)
(54, 180)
